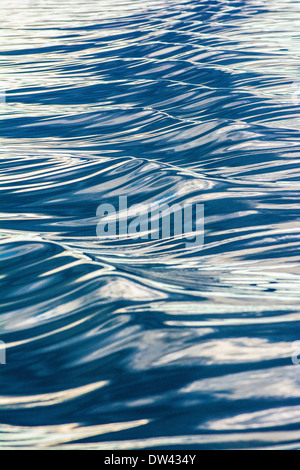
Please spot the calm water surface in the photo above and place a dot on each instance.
(134, 344)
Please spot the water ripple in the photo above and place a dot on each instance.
(133, 344)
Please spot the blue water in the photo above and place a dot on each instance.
(115, 344)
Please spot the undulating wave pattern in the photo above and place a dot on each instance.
(132, 344)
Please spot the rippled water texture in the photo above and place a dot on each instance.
(130, 345)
